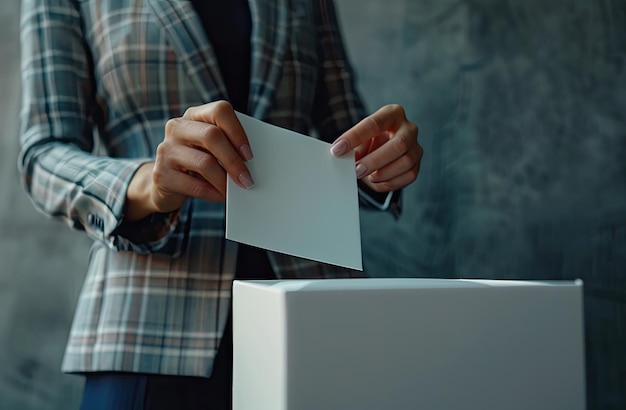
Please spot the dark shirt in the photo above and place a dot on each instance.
(228, 25)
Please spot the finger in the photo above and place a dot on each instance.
(402, 143)
(387, 119)
(208, 138)
(406, 163)
(189, 185)
(395, 183)
(375, 143)
(199, 164)
(221, 114)
(171, 179)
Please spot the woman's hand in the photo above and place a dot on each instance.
(198, 151)
(388, 155)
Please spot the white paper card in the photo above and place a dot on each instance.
(304, 202)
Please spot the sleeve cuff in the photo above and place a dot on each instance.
(380, 201)
(147, 235)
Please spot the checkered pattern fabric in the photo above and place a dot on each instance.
(109, 74)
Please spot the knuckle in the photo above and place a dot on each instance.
(189, 112)
(161, 150)
(204, 161)
(401, 145)
(376, 176)
(234, 162)
(414, 129)
(378, 186)
(196, 190)
(170, 126)
(407, 162)
(375, 123)
(210, 133)
(396, 109)
(385, 187)
(222, 107)
(158, 176)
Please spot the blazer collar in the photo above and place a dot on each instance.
(268, 41)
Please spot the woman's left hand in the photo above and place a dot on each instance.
(388, 155)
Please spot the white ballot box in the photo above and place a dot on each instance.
(361, 344)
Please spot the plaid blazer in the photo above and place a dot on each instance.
(100, 79)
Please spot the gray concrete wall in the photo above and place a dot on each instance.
(41, 265)
(520, 107)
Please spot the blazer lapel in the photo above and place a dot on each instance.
(191, 45)
(268, 42)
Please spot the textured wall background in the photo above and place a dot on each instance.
(41, 265)
(521, 113)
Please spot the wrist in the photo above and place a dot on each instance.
(139, 202)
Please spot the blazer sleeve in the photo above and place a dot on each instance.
(337, 105)
(59, 172)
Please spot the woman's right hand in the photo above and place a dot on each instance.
(198, 151)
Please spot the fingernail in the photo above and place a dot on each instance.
(360, 170)
(246, 180)
(339, 148)
(246, 152)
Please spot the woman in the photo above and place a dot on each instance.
(157, 83)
